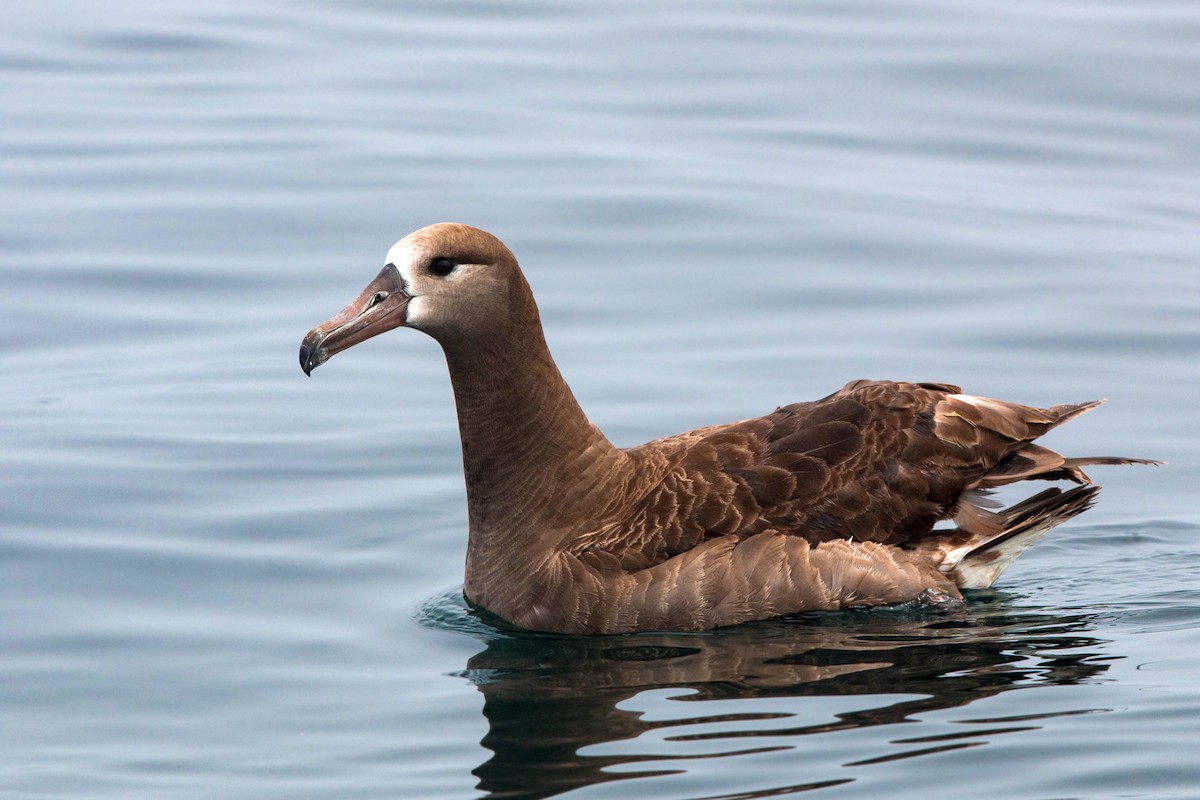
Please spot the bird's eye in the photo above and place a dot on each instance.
(442, 266)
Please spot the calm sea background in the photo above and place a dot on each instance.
(221, 579)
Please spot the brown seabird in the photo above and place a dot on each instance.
(817, 506)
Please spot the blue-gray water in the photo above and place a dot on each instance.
(220, 579)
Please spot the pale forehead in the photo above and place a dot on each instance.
(405, 251)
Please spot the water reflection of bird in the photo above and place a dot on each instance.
(820, 505)
(549, 700)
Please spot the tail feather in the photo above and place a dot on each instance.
(1034, 462)
(986, 541)
(1052, 505)
(976, 564)
(1109, 461)
(1067, 411)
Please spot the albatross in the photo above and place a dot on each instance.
(875, 495)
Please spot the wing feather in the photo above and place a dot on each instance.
(877, 461)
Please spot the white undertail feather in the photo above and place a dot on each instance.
(980, 560)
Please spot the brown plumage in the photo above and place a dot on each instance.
(819, 505)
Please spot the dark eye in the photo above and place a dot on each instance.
(442, 266)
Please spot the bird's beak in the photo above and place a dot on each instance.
(381, 307)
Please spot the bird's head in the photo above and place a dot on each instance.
(449, 280)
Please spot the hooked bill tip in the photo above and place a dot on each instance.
(311, 354)
(310, 361)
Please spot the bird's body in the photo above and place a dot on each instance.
(819, 505)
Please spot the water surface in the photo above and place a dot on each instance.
(221, 579)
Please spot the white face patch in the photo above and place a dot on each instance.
(407, 257)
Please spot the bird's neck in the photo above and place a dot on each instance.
(536, 468)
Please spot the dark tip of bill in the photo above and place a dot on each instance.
(306, 361)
